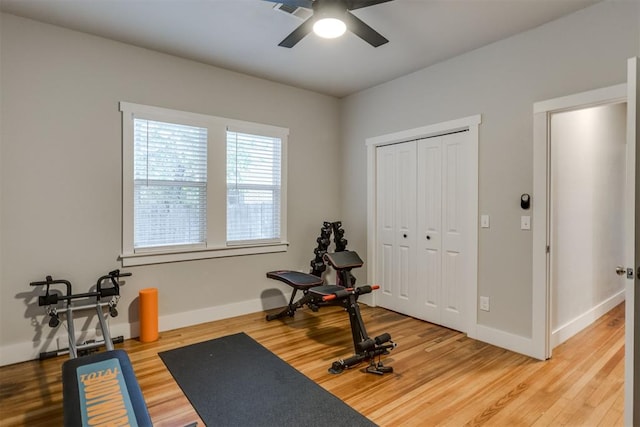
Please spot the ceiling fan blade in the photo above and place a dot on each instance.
(298, 34)
(362, 30)
(359, 4)
(307, 4)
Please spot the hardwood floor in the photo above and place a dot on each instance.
(440, 376)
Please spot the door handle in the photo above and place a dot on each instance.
(621, 271)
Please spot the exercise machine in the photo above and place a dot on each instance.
(344, 293)
(100, 388)
(103, 297)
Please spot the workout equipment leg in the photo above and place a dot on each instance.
(365, 347)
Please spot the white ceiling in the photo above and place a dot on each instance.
(243, 35)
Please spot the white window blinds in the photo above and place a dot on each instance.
(253, 187)
(170, 184)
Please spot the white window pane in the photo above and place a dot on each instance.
(170, 190)
(253, 187)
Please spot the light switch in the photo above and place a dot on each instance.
(525, 222)
(484, 221)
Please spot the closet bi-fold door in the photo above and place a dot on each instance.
(441, 207)
(396, 227)
(421, 192)
(429, 248)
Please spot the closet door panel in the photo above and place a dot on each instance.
(429, 214)
(385, 213)
(396, 212)
(453, 240)
(428, 282)
(404, 272)
(451, 291)
(405, 236)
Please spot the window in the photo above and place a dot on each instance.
(170, 184)
(178, 202)
(253, 187)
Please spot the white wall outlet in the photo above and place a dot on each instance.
(525, 222)
(484, 303)
(484, 221)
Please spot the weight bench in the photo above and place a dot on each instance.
(299, 282)
(101, 389)
(343, 293)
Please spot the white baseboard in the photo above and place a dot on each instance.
(30, 350)
(506, 340)
(574, 326)
(524, 345)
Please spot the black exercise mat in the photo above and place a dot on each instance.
(235, 381)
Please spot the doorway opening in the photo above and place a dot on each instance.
(579, 186)
(586, 215)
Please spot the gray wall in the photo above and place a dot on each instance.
(60, 154)
(583, 51)
(61, 170)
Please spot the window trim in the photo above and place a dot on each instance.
(216, 246)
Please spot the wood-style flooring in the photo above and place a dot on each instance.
(440, 376)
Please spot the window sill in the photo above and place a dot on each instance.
(131, 260)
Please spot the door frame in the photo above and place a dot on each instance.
(471, 124)
(632, 319)
(542, 111)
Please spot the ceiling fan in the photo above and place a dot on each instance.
(335, 18)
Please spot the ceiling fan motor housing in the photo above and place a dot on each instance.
(337, 9)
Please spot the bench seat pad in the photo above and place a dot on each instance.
(296, 279)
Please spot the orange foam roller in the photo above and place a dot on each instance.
(148, 314)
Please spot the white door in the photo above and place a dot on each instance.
(396, 212)
(421, 211)
(632, 252)
(429, 274)
(442, 195)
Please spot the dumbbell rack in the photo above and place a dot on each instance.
(318, 265)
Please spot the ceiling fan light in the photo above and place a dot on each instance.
(329, 28)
